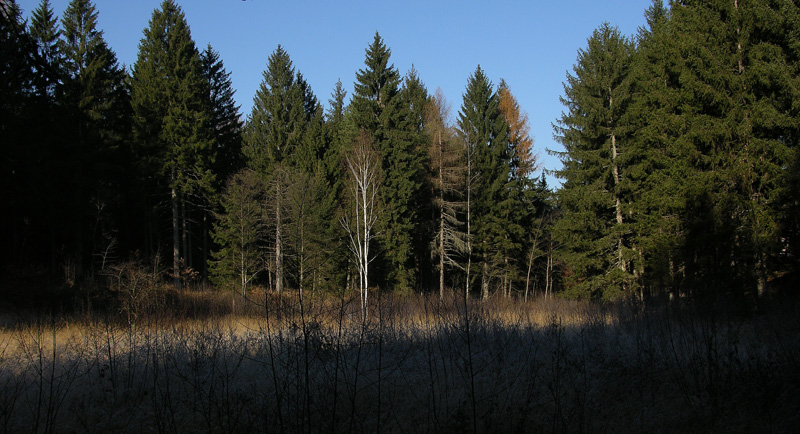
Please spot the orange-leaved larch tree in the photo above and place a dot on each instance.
(519, 133)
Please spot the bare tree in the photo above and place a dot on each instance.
(361, 213)
(447, 179)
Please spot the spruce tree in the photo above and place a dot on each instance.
(416, 194)
(736, 96)
(94, 97)
(378, 108)
(225, 128)
(26, 237)
(239, 231)
(283, 109)
(170, 118)
(657, 164)
(224, 120)
(484, 131)
(44, 30)
(594, 133)
(521, 206)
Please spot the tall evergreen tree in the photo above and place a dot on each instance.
(239, 231)
(377, 108)
(170, 119)
(27, 235)
(44, 30)
(94, 97)
(417, 194)
(225, 127)
(657, 167)
(594, 133)
(224, 120)
(737, 93)
(484, 131)
(283, 108)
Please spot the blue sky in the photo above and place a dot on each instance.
(531, 44)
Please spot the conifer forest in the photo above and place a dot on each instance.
(378, 258)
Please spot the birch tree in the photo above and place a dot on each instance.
(363, 167)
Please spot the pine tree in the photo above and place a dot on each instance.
(172, 143)
(593, 131)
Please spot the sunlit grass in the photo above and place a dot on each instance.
(215, 362)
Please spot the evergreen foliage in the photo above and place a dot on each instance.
(594, 131)
(393, 118)
(285, 143)
(680, 164)
(484, 130)
(224, 120)
(239, 232)
(44, 30)
(172, 143)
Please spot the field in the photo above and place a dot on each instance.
(213, 362)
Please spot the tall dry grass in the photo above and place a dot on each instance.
(210, 362)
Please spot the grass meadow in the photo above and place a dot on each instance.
(219, 363)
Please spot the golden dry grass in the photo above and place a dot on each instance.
(210, 362)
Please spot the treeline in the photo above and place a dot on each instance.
(680, 166)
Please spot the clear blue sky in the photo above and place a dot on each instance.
(531, 44)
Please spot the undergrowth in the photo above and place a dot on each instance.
(212, 362)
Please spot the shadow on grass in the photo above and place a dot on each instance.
(420, 365)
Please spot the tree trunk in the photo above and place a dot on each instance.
(176, 247)
(485, 279)
(441, 225)
(187, 261)
(469, 222)
(278, 240)
(205, 245)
